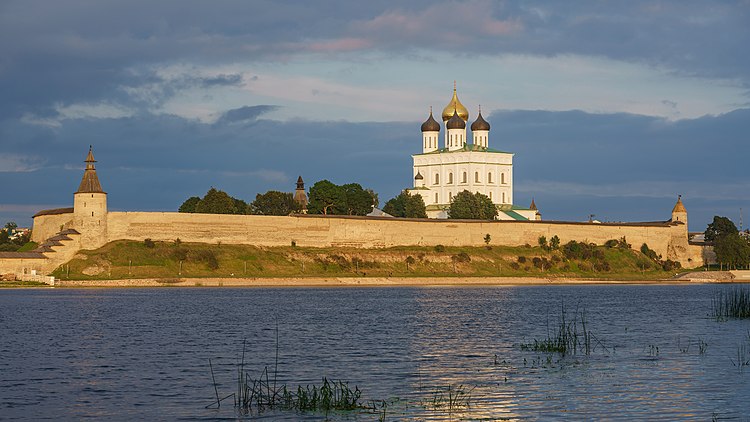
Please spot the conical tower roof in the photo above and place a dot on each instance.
(455, 106)
(679, 207)
(90, 181)
(533, 205)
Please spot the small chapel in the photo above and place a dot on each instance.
(441, 173)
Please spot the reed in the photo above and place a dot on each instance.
(571, 337)
(263, 393)
(731, 303)
(451, 397)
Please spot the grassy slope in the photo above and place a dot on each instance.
(129, 259)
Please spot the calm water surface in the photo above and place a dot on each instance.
(143, 353)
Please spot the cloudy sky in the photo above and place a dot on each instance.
(612, 108)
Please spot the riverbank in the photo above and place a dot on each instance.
(688, 278)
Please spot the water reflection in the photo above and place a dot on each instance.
(142, 354)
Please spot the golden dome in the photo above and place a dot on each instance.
(455, 105)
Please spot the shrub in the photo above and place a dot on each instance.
(515, 265)
(542, 242)
(177, 242)
(212, 262)
(649, 252)
(180, 254)
(439, 248)
(670, 265)
(612, 243)
(554, 243)
(623, 244)
(149, 243)
(461, 257)
(521, 259)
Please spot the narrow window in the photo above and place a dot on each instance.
(437, 178)
(489, 177)
(92, 213)
(463, 178)
(502, 179)
(503, 197)
(450, 178)
(450, 196)
(476, 177)
(490, 194)
(436, 197)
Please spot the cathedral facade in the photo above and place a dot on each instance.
(441, 173)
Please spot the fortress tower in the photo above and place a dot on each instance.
(679, 213)
(90, 207)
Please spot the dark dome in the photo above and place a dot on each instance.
(480, 123)
(456, 122)
(430, 125)
(418, 176)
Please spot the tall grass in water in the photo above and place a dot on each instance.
(571, 337)
(731, 303)
(263, 393)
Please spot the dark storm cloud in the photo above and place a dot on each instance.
(617, 166)
(244, 114)
(58, 53)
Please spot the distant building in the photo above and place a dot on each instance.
(441, 173)
(300, 196)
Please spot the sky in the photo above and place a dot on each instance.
(611, 108)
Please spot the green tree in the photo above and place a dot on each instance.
(216, 202)
(274, 203)
(472, 206)
(189, 204)
(326, 198)
(733, 250)
(554, 243)
(240, 206)
(406, 205)
(357, 200)
(721, 226)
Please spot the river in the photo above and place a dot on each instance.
(125, 354)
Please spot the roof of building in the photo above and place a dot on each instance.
(455, 106)
(419, 176)
(22, 255)
(54, 211)
(514, 215)
(377, 212)
(480, 123)
(533, 205)
(466, 148)
(679, 207)
(430, 125)
(90, 181)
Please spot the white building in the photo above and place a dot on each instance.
(441, 173)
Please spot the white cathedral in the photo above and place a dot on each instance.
(441, 173)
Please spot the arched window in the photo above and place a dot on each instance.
(490, 194)
(489, 177)
(463, 178)
(502, 179)
(503, 197)
(437, 178)
(436, 197)
(450, 196)
(450, 178)
(476, 177)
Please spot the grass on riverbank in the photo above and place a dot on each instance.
(132, 259)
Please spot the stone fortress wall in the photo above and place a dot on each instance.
(668, 239)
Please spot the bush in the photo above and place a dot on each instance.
(462, 257)
(623, 244)
(542, 242)
(521, 259)
(554, 243)
(649, 252)
(515, 265)
(439, 248)
(670, 265)
(180, 254)
(612, 243)
(149, 243)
